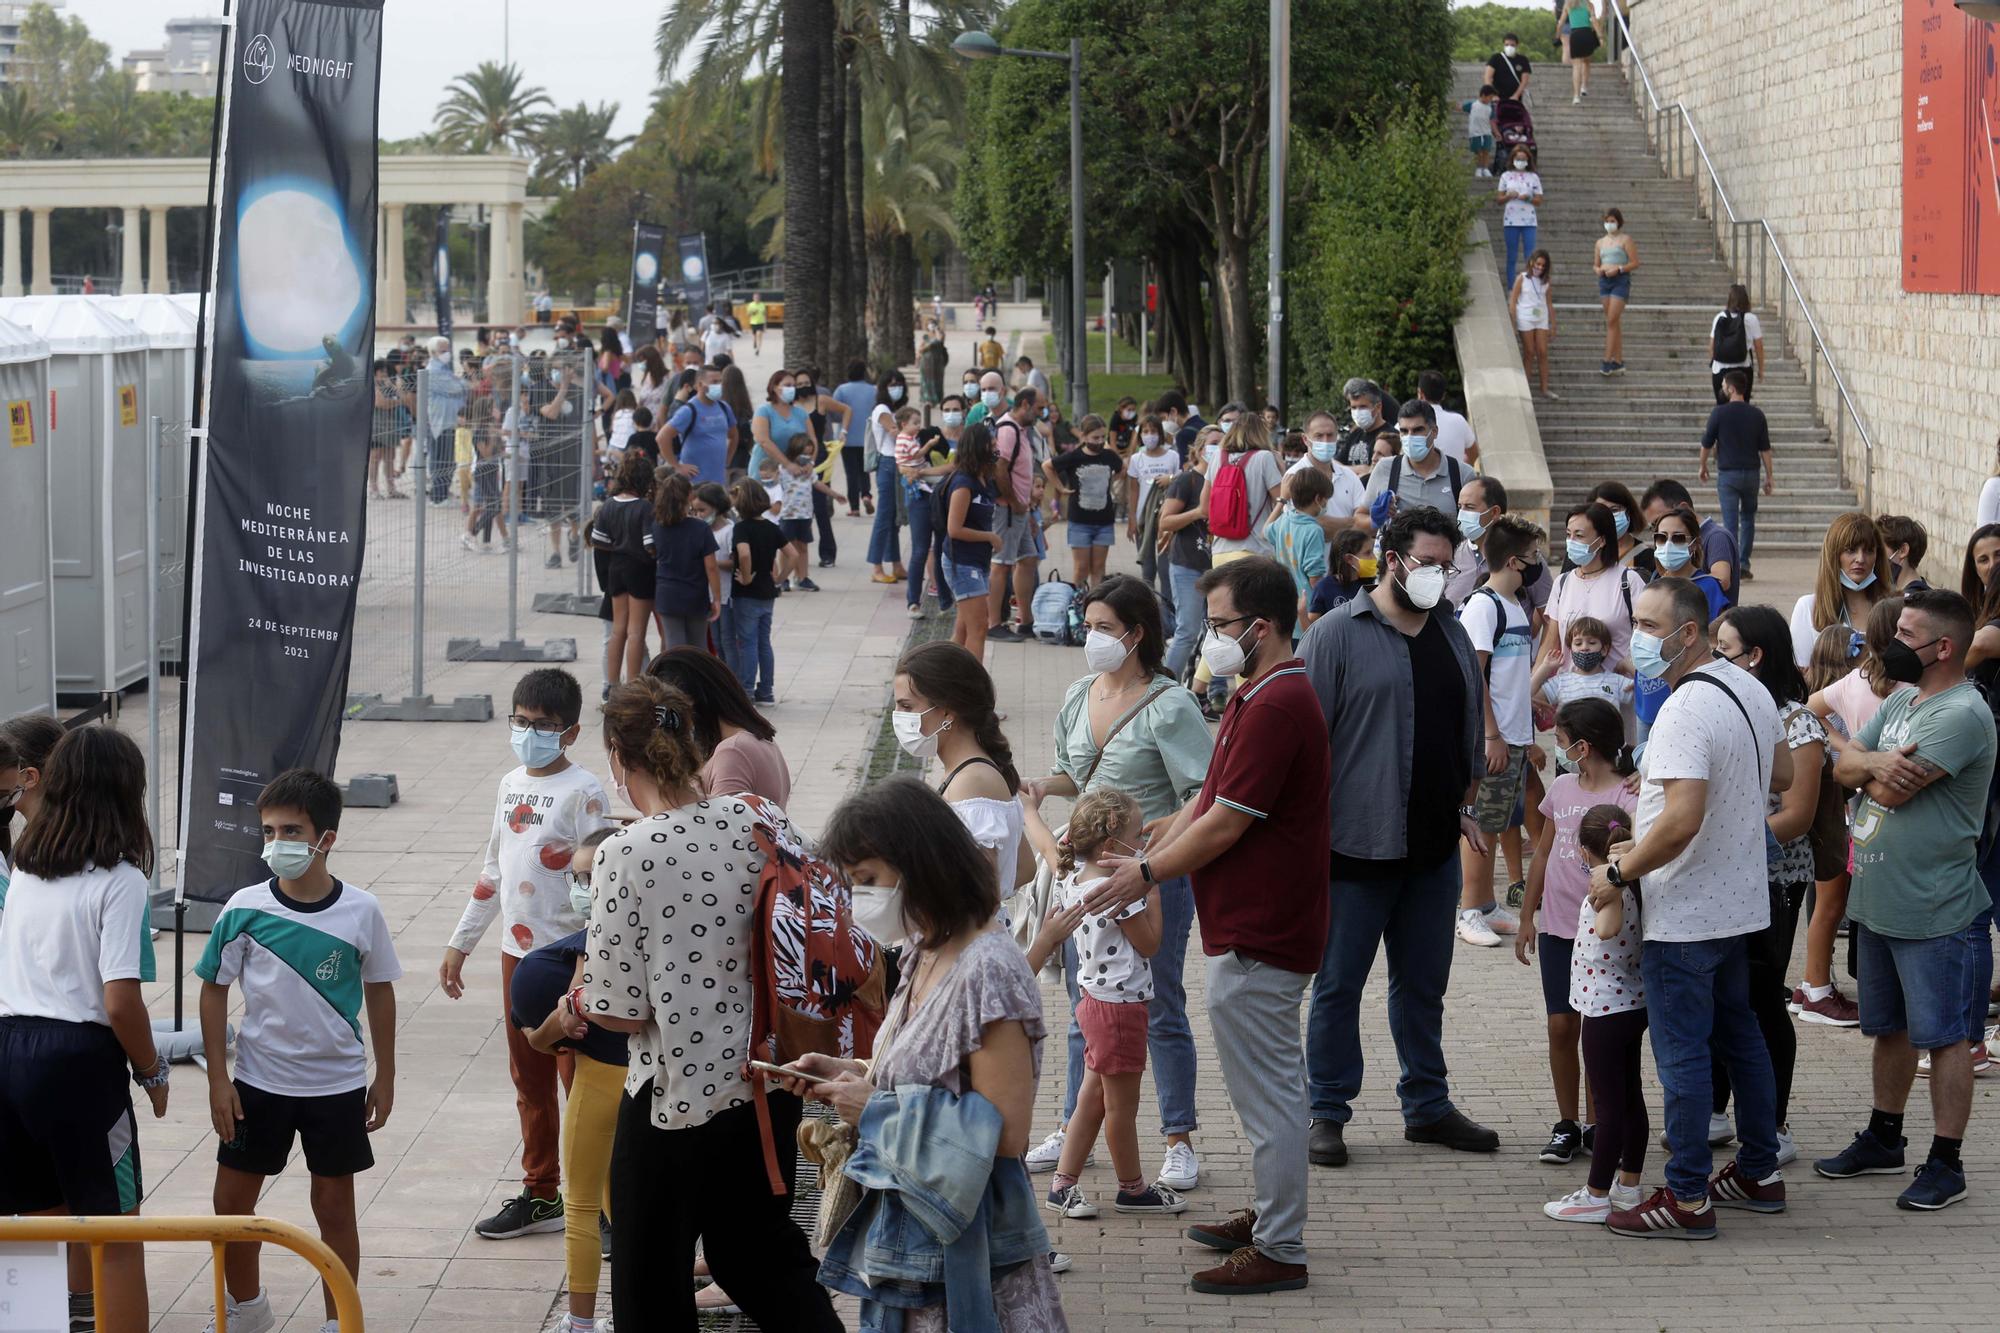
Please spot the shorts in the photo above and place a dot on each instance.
(1018, 538)
(1479, 143)
(1620, 286)
(1082, 535)
(66, 1118)
(1499, 792)
(967, 580)
(1114, 1035)
(1915, 986)
(631, 576)
(796, 529)
(1553, 952)
(332, 1130)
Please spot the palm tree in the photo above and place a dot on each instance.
(112, 121)
(488, 111)
(808, 32)
(911, 159)
(577, 140)
(25, 129)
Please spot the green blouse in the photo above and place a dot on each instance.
(1159, 758)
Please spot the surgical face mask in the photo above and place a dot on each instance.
(787, 393)
(579, 896)
(1588, 661)
(714, 392)
(618, 787)
(1673, 557)
(1469, 526)
(909, 729)
(895, 393)
(1423, 585)
(1416, 448)
(1851, 584)
(1610, 226)
(1647, 658)
(970, 388)
(1520, 164)
(1104, 652)
(1901, 663)
(1150, 441)
(1621, 523)
(1323, 450)
(1509, 49)
(1364, 417)
(990, 397)
(878, 909)
(534, 749)
(1224, 655)
(1579, 552)
(954, 418)
(289, 860)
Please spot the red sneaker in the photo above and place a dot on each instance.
(1835, 1011)
(1663, 1217)
(1731, 1188)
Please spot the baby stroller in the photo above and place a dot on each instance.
(1513, 126)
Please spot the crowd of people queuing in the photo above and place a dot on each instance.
(1603, 750)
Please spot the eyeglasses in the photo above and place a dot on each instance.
(1672, 539)
(1209, 623)
(1450, 570)
(546, 726)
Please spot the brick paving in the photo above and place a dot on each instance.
(1403, 1237)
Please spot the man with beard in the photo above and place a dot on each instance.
(1400, 689)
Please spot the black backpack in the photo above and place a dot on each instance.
(1732, 342)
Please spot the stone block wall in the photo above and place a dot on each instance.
(1800, 107)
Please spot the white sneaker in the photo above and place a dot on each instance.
(1472, 928)
(1503, 921)
(1044, 1155)
(1483, 174)
(1720, 1130)
(1181, 1170)
(248, 1316)
(1579, 1207)
(465, 540)
(1788, 1151)
(1623, 1197)
(1060, 1262)
(1072, 1202)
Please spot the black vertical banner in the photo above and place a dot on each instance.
(694, 270)
(643, 318)
(441, 269)
(280, 518)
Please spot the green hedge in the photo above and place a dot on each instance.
(1376, 278)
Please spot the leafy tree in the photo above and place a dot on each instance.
(576, 141)
(56, 59)
(911, 156)
(111, 119)
(25, 128)
(489, 111)
(1476, 31)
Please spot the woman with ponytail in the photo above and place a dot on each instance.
(671, 926)
(944, 709)
(1591, 735)
(687, 589)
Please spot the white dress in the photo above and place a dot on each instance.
(996, 826)
(1531, 311)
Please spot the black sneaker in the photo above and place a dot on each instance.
(523, 1215)
(807, 585)
(1326, 1143)
(1866, 1156)
(553, 562)
(1002, 634)
(1938, 1185)
(604, 1237)
(1564, 1140)
(82, 1312)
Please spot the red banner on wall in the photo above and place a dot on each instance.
(1951, 150)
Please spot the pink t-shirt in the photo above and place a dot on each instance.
(1564, 879)
(1854, 701)
(742, 765)
(1600, 598)
(1016, 454)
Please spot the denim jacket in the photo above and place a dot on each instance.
(940, 1214)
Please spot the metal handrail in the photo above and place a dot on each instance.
(218, 1232)
(1820, 348)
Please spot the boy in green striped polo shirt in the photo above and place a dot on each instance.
(311, 954)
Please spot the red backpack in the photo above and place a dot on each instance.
(817, 979)
(1229, 499)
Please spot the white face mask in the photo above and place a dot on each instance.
(1225, 656)
(1150, 441)
(1104, 652)
(1364, 417)
(1610, 226)
(878, 909)
(579, 896)
(1424, 585)
(909, 729)
(618, 783)
(1509, 49)
(1520, 164)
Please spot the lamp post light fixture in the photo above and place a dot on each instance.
(977, 45)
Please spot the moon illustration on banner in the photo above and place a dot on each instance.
(646, 267)
(691, 268)
(300, 293)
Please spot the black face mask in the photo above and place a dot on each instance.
(1532, 574)
(1901, 664)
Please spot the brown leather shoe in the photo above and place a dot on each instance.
(1226, 1236)
(1247, 1273)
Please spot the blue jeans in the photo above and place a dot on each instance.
(1169, 1040)
(1410, 918)
(438, 483)
(1737, 487)
(925, 541)
(1187, 617)
(883, 547)
(753, 643)
(1522, 238)
(725, 638)
(1698, 999)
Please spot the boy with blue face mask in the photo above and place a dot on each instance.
(310, 953)
(545, 809)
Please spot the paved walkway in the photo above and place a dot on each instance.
(1404, 1237)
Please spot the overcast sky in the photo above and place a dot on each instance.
(567, 49)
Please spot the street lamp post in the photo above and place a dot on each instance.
(981, 46)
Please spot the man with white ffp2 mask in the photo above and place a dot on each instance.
(1401, 692)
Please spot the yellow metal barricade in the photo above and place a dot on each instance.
(97, 1232)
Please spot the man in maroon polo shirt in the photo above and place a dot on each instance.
(1247, 840)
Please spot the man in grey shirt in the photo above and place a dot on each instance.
(1422, 475)
(1027, 376)
(1402, 693)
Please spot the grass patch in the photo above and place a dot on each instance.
(1106, 390)
(885, 757)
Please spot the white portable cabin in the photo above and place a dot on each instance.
(27, 560)
(97, 446)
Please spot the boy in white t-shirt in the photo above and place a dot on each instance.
(1586, 678)
(1497, 624)
(545, 808)
(310, 954)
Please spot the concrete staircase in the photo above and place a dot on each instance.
(1647, 423)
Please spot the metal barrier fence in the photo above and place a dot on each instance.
(34, 1282)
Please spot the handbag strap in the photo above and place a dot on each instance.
(1116, 727)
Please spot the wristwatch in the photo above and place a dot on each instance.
(156, 1079)
(1145, 870)
(1469, 811)
(1612, 873)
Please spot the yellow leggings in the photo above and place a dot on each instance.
(589, 1125)
(1202, 675)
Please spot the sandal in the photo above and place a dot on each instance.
(868, 503)
(879, 577)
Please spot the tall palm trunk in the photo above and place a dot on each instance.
(844, 295)
(857, 231)
(883, 352)
(903, 296)
(827, 172)
(807, 30)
